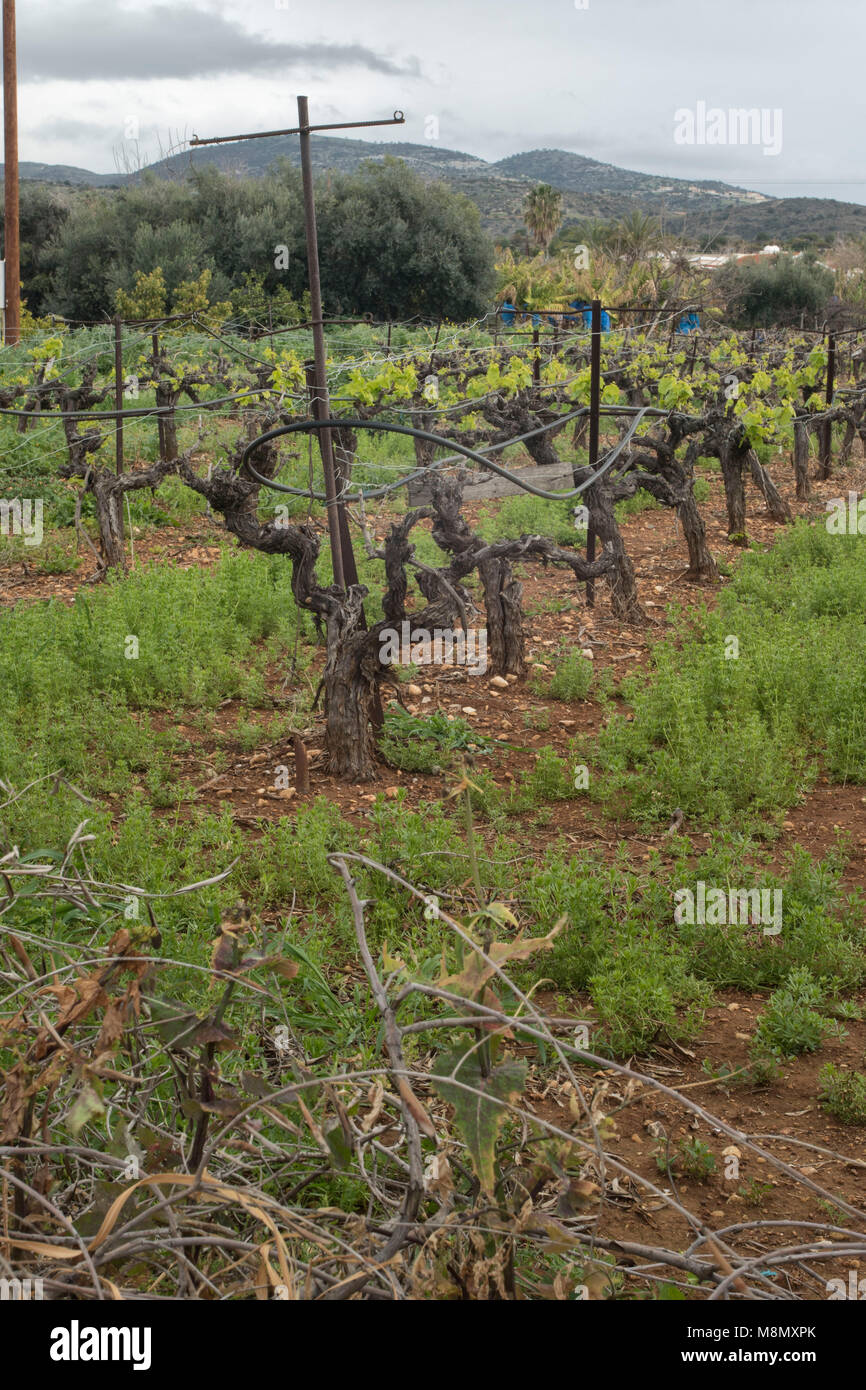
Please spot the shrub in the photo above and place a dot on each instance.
(843, 1093)
(791, 1024)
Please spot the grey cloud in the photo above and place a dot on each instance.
(61, 128)
(93, 41)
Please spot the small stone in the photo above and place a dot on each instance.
(588, 653)
(499, 682)
(414, 690)
(512, 680)
(467, 709)
(392, 791)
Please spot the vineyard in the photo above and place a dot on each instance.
(469, 910)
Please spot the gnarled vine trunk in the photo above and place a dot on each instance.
(505, 632)
(733, 458)
(776, 504)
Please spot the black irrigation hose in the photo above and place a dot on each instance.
(304, 426)
(46, 416)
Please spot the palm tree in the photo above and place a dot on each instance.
(542, 213)
(637, 236)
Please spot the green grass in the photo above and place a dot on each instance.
(650, 976)
(791, 1022)
(76, 699)
(526, 515)
(728, 739)
(633, 506)
(571, 679)
(431, 744)
(843, 1094)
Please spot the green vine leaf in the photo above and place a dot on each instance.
(479, 1117)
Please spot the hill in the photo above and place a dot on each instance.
(592, 190)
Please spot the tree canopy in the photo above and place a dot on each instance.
(390, 244)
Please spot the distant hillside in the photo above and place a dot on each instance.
(576, 173)
(591, 189)
(65, 173)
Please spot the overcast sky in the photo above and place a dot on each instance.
(501, 76)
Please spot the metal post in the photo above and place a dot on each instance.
(333, 503)
(118, 393)
(827, 427)
(350, 568)
(160, 431)
(11, 249)
(694, 352)
(594, 410)
(320, 378)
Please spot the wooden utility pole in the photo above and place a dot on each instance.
(11, 250)
(342, 556)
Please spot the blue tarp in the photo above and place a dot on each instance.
(586, 310)
(509, 313)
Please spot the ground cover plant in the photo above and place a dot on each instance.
(434, 1033)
